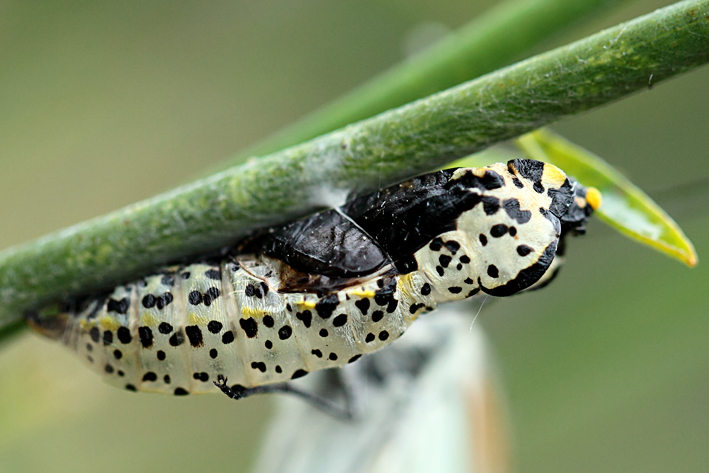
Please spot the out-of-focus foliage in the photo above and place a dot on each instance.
(108, 103)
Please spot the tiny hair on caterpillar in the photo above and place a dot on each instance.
(322, 291)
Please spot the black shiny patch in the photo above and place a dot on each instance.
(195, 298)
(453, 246)
(298, 374)
(250, 327)
(150, 376)
(164, 300)
(562, 200)
(146, 336)
(215, 326)
(148, 301)
(214, 274)
(195, 335)
(119, 307)
(165, 328)
(177, 339)
(210, 296)
(498, 231)
(377, 315)
(514, 211)
(490, 205)
(362, 305)
(201, 376)
(407, 264)
(306, 317)
(524, 250)
(228, 337)
(416, 307)
(436, 244)
(490, 181)
(527, 276)
(528, 168)
(385, 297)
(285, 332)
(339, 320)
(327, 305)
(124, 335)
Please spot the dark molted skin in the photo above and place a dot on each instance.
(327, 243)
(373, 231)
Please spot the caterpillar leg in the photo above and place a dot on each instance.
(326, 405)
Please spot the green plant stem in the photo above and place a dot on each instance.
(415, 138)
(493, 40)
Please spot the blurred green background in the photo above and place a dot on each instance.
(106, 103)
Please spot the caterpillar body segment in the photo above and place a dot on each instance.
(222, 320)
(322, 291)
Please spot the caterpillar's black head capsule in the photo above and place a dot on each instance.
(586, 200)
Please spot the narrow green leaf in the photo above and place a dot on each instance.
(625, 207)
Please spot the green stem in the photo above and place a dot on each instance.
(409, 140)
(489, 42)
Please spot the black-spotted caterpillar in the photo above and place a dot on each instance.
(323, 291)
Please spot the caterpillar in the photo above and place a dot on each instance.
(322, 291)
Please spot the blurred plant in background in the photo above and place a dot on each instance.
(116, 102)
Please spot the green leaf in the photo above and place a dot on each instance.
(625, 207)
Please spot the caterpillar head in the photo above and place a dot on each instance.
(586, 200)
(509, 232)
